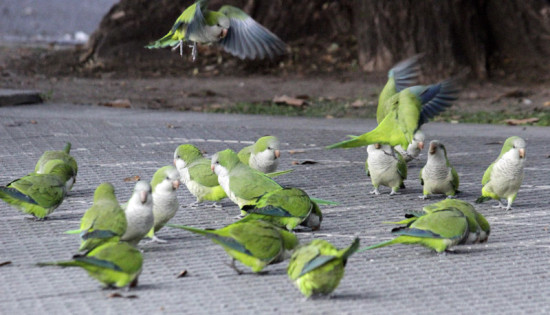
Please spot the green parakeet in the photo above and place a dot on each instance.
(39, 194)
(414, 148)
(408, 110)
(254, 243)
(197, 175)
(112, 264)
(385, 167)
(63, 155)
(504, 176)
(286, 208)
(318, 267)
(263, 155)
(438, 230)
(165, 182)
(139, 213)
(103, 222)
(229, 27)
(438, 176)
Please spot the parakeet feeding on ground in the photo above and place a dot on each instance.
(438, 230)
(112, 264)
(255, 243)
(414, 148)
(39, 194)
(139, 213)
(438, 176)
(165, 182)
(504, 176)
(229, 27)
(63, 155)
(263, 155)
(318, 267)
(103, 222)
(385, 167)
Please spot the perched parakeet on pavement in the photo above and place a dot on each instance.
(139, 213)
(103, 222)
(263, 155)
(39, 194)
(165, 182)
(318, 267)
(385, 167)
(504, 176)
(438, 176)
(438, 230)
(414, 148)
(286, 208)
(229, 27)
(255, 243)
(63, 155)
(112, 264)
(408, 110)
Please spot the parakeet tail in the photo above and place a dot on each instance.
(190, 229)
(275, 174)
(67, 148)
(324, 202)
(482, 199)
(351, 249)
(386, 243)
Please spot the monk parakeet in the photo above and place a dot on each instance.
(438, 230)
(263, 155)
(414, 148)
(438, 176)
(318, 267)
(112, 264)
(407, 111)
(39, 194)
(255, 243)
(103, 222)
(139, 213)
(286, 208)
(504, 176)
(229, 27)
(385, 167)
(165, 182)
(63, 155)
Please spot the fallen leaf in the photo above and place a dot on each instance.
(5, 263)
(34, 122)
(134, 178)
(118, 295)
(118, 15)
(546, 104)
(296, 151)
(304, 162)
(357, 104)
(182, 274)
(329, 117)
(171, 126)
(514, 122)
(292, 101)
(494, 142)
(120, 103)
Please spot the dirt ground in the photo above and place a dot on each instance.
(172, 82)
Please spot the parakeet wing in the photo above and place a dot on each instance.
(300, 258)
(200, 172)
(244, 154)
(47, 190)
(263, 240)
(250, 184)
(248, 39)
(401, 165)
(436, 99)
(455, 178)
(487, 174)
(123, 255)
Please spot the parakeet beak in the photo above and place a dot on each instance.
(223, 33)
(433, 146)
(377, 146)
(521, 153)
(176, 184)
(277, 153)
(143, 197)
(421, 145)
(212, 167)
(175, 162)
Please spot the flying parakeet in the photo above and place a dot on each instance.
(103, 222)
(438, 230)
(39, 194)
(286, 208)
(504, 176)
(255, 243)
(318, 267)
(63, 155)
(385, 167)
(414, 148)
(229, 27)
(407, 111)
(165, 182)
(263, 155)
(112, 264)
(438, 176)
(139, 213)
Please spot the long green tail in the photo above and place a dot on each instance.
(386, 243)
(351, 249)
(73, 231)
(482, 199)
(190, 229)
(67, 148)
(70, 263)
(324, 202)
(279, 173)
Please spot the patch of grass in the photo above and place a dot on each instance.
(497, 117)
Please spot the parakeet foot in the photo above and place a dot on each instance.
(424, 197)
(234, 267)
(36, 218)
(375, 192)
(180, 46)
(194, 204)
(509, 207)
(155, 239)
(394, 192)
(500, 205)
(451, 197)
(194, 51)
(133, 284)
(217, 205)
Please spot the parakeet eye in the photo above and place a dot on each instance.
(167, 177)
(269, 148)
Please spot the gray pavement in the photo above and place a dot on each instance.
(509, 274)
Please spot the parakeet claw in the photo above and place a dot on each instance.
(394, 192)
(375, 192)
(194, 204)
(155, 239)
(194, 51)
(234, 267)
(217, 205)
(451, 197)
(500, 205)
(424, 197)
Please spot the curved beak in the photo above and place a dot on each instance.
(421, 145)
(377, 146)
(521, 153)
(432, 148)
(212, 167)
(175, 184)
(277, 153)
(223, 33)
(174, 162)
(143, 197)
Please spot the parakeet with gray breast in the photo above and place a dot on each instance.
(263, 155)
(165, 183)
(139, 213)
(438, 176)
(385, 167)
